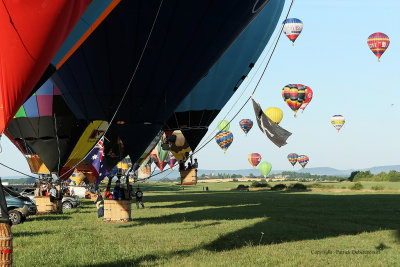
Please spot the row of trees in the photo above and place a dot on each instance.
(391, 176)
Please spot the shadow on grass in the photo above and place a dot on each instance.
(29, 233)
(54, 217)
(284, 217)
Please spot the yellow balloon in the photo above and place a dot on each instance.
(77, 177)
(274, 113)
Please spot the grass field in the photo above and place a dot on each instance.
(223, 228)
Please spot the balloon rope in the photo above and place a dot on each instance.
(259, 80)
(58, 144)
(127, 88)
(237, 113)
(18, 171)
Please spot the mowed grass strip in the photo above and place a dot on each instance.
(220, 228)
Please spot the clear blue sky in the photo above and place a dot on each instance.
(332, 57)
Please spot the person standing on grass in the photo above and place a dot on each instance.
(139, 197)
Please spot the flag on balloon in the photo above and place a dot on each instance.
(273, 131)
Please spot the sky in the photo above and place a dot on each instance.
(332, 57)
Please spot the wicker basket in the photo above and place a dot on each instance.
(117, 210)
(6, 247)
(45, 206)
(189, 177)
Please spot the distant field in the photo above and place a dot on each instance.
(223, 228)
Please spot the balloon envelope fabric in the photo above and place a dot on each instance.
(224, 139)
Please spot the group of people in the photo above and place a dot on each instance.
(191, 165)
(120, 193)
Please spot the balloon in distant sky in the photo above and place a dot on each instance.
(294, 95)
(265, 167)
(254, 159)
(292, 157)
(292, 28)
(303, 160)
(224, 139)
(338, 121)
(246, 125)
(378, 43)
(223, 125)
(275, 114)
(309, 95)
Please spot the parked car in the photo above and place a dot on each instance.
(19, 207)
(67, 201)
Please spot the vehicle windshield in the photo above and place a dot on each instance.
(11, 192)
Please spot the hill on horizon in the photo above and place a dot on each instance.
(316, 171)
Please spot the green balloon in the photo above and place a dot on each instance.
(223, 125)
(265, 168)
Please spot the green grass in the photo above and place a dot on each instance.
(221, 228)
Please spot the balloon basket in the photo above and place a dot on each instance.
(6, 245)
(45, 206)
(117, 211)
(189, 177)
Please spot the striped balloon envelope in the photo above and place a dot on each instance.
(224, 139)
(292, 157)
(378, 43)
(294, 95)
(338, 121)
(254, 159)
(292, 28)
(303, 160)
(246, 125)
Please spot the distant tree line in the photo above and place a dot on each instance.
(391, 176)
(27, 180)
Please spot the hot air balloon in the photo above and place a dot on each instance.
(292, 157)
(338, 121)
(254, 159)
(96, 77)
(48, 126)
(223, 125)
(32, 32)
(77, 177)
(275, 114)
(265, 167)
(292, 28)
(309, 95)
(198, 110)
(171, 161)
(303, 160)
(378, 43)
(224, 139)
(294, 95)
(246, 125)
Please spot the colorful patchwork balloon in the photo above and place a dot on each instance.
(378, 43)
(303, 160)
(338, 121)
(294, 95)
(265, 167)
(292, 157)
(246, 125)
(224, 139)
(309, 95)
(292, 28)
(254, 159)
